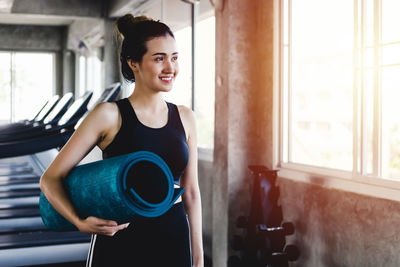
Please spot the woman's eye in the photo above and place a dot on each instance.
(175, 58)
(158, 59)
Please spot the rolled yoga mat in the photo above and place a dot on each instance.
(107, 189)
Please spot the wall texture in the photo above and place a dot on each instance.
(31, 38)
(338, 228)
(206, 184)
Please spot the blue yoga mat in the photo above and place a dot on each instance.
(104, 189)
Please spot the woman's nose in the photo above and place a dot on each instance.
(168, 66)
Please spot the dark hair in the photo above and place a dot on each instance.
(135, 32)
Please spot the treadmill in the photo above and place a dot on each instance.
(45, 136)
(39, 117)
(50, 119)
(68, 118)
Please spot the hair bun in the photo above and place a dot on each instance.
(125, 23)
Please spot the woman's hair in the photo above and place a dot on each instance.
(135, 32)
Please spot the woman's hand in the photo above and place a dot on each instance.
(94, 225)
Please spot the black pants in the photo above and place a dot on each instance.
(147, 242)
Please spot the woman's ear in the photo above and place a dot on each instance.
(132, 64)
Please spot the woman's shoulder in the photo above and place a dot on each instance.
(107, 109)
(105, 113)
(186, 112)
(188, 118)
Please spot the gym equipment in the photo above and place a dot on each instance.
(262, 231)
(55, 137)
(104, 189)
(69, 119)
(52, 118)
(263, 241)
(7, 241)
(31, 211)
(38, 118)
(287, 228)
(17, 202)
(54, 251)
(280, 259)
(21, 224)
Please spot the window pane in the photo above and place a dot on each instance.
(33, 82)
(285, 22)
(205, 85)
(390, 21)
(94, 78)
(82, 76)
(182, 92)
(5, 87)
(390, 122)
(322, 83)
(391, 54)
(368, 16)
(369, 117)
(285, 106)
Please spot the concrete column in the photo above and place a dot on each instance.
(243, 111)
(67, 65)
(68, 71)
(111, 55)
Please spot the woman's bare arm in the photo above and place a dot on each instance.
(96, 129)
(191, 196)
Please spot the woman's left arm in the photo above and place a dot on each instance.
(191, 196)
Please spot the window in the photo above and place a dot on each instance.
(89, 76)
(181, 94)
(26, 82)
(5, 87)
(340, 79)
(204, 97)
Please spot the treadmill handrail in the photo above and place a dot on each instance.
(59, 109)
(47, 109)
(79, 106)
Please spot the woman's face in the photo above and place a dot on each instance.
(159, 65)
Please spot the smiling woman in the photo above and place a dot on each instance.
(144, 121)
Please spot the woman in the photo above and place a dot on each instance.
(143, 121)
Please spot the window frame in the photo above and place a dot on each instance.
(357, 180)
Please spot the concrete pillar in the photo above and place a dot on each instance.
(111, 55)
(69, 71)
(243, 111)
(59, 90)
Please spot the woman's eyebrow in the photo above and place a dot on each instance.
(163, 54)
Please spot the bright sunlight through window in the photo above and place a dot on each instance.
(341, 73)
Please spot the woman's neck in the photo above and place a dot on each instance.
(146, 99)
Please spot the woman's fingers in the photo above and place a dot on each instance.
(101, 222)
(96, 225)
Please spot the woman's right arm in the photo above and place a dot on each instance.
(98, 128)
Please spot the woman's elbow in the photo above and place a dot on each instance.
(191, 196)
(43, 182)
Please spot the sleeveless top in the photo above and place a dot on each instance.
(168, 142)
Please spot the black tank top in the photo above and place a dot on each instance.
(168, 142)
